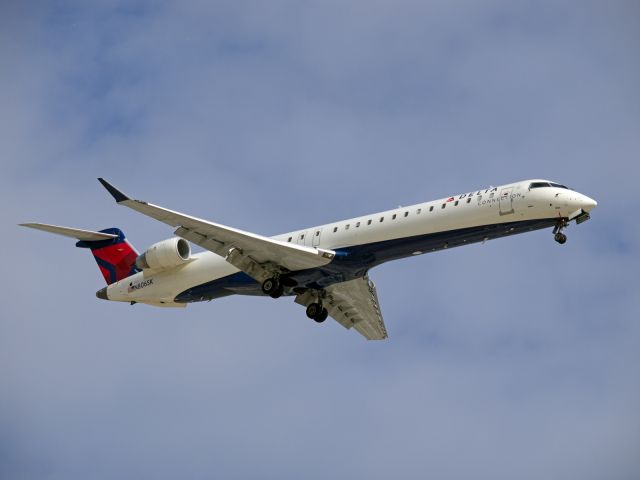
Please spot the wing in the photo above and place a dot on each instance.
(258, 256)
(355, 304)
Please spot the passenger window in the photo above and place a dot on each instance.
(290, 238)
(358, 225)
(431, 208)
(318, 233)
(346, 227)
(381, 219)
(456, 204)
(335, 229)
(369, 222)
(419, 211)
(469, 200)
(444, 205)
(394, 216)
(302, 236)
(406, 214)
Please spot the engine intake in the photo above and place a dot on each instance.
(166, 254)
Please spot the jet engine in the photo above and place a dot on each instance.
(165, 254)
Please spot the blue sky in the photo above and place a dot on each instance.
(518, 358)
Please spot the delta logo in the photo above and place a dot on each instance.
(478, 193)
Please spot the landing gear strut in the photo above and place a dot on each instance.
(317, 312)
(558, 236)
(272, 287)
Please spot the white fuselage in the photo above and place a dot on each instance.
(500, 205)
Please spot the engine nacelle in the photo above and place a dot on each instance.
(165, 254)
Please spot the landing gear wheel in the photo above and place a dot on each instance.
(561, 238)
(313, 310)
(323, 316)
(278, 293)
(271, 286)
(316, 312)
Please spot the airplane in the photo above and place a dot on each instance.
(326, 268)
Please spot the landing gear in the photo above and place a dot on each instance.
(558, 236)
(561, 238)
(272, 287)
(317, 312)
(323, 316)
(278, 293)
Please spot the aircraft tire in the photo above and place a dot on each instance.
(278, 293)
(314, 310)
(324, 313)
(561, 238)
(270, 286)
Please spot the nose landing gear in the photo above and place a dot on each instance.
(558, 236)
(561, 238)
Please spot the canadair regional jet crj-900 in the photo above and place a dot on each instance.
(326, 267)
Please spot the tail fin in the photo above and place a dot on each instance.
(114, 255)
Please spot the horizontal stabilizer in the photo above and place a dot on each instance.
(86, 235)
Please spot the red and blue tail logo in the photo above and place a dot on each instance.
(115, 257)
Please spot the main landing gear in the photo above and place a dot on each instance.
(273, 287)
(317, 312)
(558, 236)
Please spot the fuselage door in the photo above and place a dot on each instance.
(316, 238)
(506, 201)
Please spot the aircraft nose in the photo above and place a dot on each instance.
(577, 201)
(588, 203)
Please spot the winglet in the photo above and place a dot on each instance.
(117, 194)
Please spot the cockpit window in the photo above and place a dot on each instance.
(546, 184)
(539, 185)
